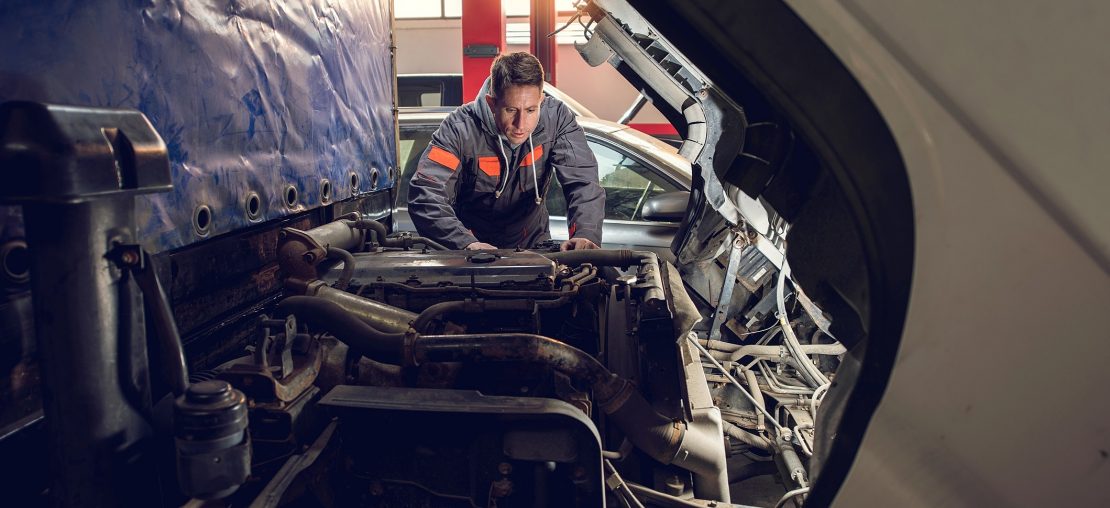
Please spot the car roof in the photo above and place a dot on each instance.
(577, 107)
(659, 153)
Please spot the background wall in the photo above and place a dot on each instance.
(435, 46)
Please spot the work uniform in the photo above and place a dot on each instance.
(471, 185)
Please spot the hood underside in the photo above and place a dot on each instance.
(782, 139)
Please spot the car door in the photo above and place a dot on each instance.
(629, 181)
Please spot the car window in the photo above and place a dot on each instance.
(420, 94)
(627, 183)
(412, 144)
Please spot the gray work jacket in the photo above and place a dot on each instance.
(454, 193)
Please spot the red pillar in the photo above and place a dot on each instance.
(483, 38)
(541, 21)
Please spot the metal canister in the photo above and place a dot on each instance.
(213, 445)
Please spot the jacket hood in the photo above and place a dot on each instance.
(481, 109)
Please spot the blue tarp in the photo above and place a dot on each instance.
(249, 96)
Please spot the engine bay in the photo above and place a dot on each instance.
(394, 373)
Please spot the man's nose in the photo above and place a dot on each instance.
(518, 120)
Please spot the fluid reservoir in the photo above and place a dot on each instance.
(213, 445)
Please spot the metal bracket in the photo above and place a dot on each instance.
(720, 314)
(480, 51)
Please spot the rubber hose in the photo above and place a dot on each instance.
(598, 257)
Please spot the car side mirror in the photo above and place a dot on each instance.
(666, 207)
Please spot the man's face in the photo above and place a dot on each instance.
(517, 111)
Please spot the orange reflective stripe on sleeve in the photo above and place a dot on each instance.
(443, 158)
(531, 158)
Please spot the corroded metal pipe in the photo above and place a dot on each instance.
(386, 318)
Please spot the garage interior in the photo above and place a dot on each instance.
(214, 292)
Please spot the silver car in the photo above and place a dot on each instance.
(646, 182)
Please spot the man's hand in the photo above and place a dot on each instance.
(578, 244)
(480, 246)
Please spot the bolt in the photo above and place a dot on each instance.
(129, 257)
(309, 257)
(504, 468)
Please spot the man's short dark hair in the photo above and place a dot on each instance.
(520, 68)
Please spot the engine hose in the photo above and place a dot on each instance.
(380, 232)
(747, 437)
(348, 266)
(373, 225)
(422, 323)
(599, 257)
(345, 326)
(498, 347)
(428, 242)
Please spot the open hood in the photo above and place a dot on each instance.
(786, 149)
(715, 132)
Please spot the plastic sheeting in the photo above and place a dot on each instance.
(249, 96)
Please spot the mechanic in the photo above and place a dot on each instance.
(482, 181)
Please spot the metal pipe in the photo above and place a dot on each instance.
(379, 315)
(363, 338)
(600, 257)
(348, 267)
(806, 367)
(637, 105)
(757, 394)
(337, 234)
(788, 495)
(423, 322)
(661, 498)
(510, 346)
(693, 338)
(655, 434)
(380, 235)
(378, 228)
(737, 351)
(470, 290)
